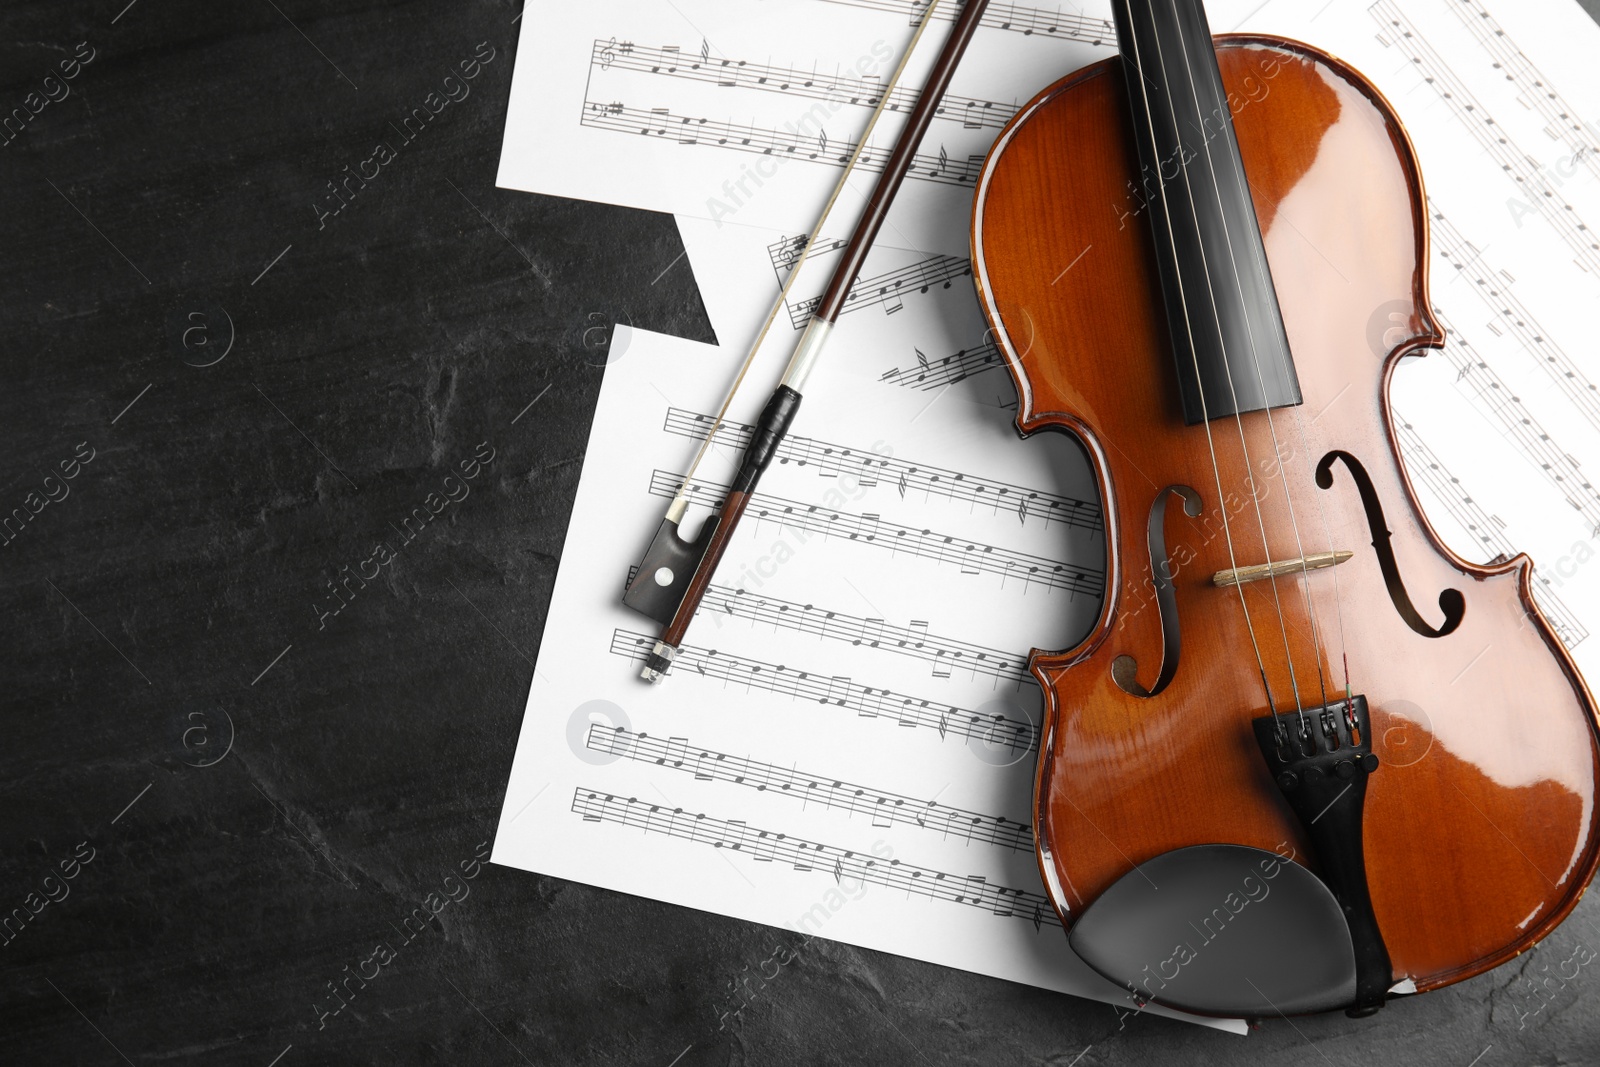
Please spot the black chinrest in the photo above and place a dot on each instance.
(1222, 930)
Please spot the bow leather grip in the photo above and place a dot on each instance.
(765, 438)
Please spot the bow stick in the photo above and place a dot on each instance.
(674, 575)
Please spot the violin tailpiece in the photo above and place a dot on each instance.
(1321, 759)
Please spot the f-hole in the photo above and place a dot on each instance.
(1451, 602)
(1125, 669)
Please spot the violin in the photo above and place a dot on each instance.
(1308, 758)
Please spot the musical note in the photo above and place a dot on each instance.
(837, 691)
(865, 477)
(737, 837)
(873, 633)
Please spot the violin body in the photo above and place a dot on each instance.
(1479, 823)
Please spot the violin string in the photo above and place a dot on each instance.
(1250, 483)
(1256, 256)
(1327, 533)
(680, 499)
(1205, 418)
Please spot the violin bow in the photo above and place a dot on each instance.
(674, 575)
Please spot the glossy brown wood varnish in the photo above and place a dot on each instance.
(1480, 832)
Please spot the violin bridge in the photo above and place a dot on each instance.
(1315, 561)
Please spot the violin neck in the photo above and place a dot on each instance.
(1230, 350)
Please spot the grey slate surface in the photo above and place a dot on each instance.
(177, 593)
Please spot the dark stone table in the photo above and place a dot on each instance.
(223, 787)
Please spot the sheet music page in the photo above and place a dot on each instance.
(1500, 430)
(845, 745)
(739, 112)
